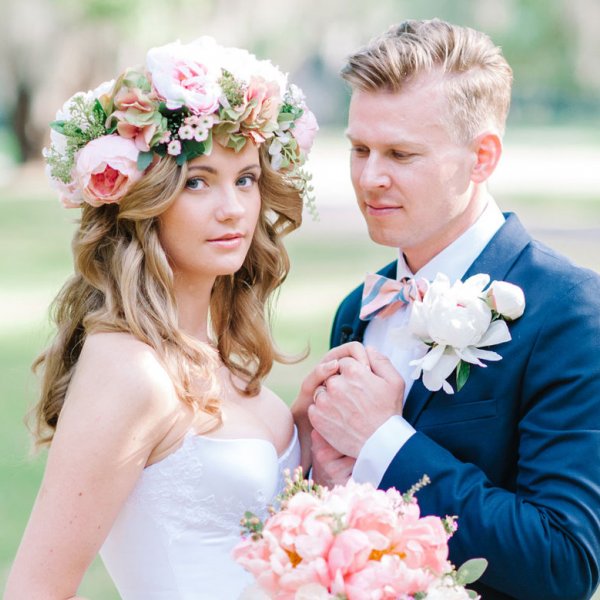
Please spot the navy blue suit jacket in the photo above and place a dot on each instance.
(516, 453)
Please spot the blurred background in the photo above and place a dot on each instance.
(49, 49)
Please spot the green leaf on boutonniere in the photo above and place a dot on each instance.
(462, 374)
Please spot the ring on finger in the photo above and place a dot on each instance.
(320, 389)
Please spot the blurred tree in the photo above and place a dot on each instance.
(49, 46)
(585, 17)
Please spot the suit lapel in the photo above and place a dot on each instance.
(418, 397)
(504, 248)
(496, 259)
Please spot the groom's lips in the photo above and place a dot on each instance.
(381, 211)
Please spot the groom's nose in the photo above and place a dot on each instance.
(374, 174)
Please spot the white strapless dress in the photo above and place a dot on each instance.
(173, 537)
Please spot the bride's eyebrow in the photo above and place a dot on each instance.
(214, 171)
(250, 168)
(210, 170)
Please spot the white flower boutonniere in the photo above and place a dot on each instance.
(457, 321)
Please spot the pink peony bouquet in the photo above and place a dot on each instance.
(352, 542)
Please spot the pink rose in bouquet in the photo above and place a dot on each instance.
(106, 168)
(352, 542)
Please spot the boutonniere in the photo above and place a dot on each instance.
(457, 321)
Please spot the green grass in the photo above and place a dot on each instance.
(35, 260)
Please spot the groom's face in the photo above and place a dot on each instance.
(411, 177)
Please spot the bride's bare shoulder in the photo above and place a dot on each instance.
(111, 345)
(118, 365)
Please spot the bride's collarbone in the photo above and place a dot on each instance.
(243, 421)
(263, 416)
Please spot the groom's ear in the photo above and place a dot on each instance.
(488, 149)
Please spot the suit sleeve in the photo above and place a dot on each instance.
(546, 532)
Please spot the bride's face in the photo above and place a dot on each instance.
(208, 229)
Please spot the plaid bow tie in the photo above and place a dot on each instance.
(382, 297)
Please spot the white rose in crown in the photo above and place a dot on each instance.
(457, 321)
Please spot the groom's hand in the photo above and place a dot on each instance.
(329, 467)
(328, 366)
(353, 404)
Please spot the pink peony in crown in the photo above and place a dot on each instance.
(352, 542)
(187, 97)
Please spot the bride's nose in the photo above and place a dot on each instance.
(231, 205)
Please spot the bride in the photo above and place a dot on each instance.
(188, 175)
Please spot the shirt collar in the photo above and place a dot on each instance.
(455, 259)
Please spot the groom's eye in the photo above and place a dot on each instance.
(359, 150)
(399, 155)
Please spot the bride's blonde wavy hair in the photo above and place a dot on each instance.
(123, 283)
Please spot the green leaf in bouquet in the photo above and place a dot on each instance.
(471, 571)
(408, 495)
(252, 525)
(285, 117)
(462, 374)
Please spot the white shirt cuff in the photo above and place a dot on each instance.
(379, 450)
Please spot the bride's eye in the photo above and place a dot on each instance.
(195, 183)
(246, 181)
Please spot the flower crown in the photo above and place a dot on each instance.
(188, 97)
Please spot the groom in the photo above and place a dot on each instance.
(516, 452)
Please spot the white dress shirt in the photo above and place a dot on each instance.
(383, 334)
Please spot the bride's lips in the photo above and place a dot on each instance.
(227, 240)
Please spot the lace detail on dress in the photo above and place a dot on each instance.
(180, 480)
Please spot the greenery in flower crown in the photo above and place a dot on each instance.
(154, 109)
(87, 123)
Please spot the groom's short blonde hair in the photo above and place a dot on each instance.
(476, 77)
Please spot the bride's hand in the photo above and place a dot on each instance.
(300, 407)
(315, 381)
(327, 367)
(355, 403)
(330, 467)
